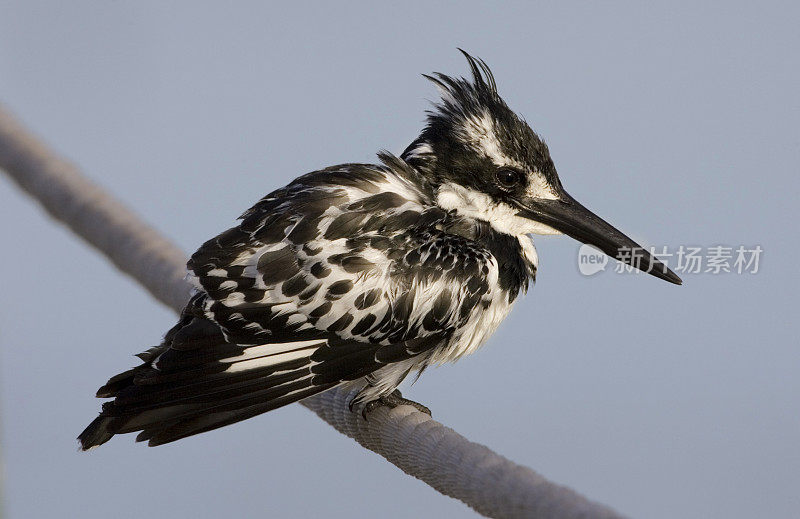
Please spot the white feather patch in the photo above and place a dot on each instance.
(270, 360)
(265, 350)
(480, 134)
(474, 204)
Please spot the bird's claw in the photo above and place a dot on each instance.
(392, 400)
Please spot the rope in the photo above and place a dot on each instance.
(489, 483)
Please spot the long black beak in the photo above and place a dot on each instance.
(570, 217)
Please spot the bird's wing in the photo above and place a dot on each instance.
(369, 262)
(340, 273)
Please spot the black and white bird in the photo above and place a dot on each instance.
(361, 274)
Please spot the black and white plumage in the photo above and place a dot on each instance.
(359, 274)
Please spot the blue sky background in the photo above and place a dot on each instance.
(678, 123)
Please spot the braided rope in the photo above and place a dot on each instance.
(489, 483)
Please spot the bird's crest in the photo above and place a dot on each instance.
(460, 91)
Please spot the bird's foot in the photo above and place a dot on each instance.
(392, 400)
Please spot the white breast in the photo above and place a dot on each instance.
(481, 325)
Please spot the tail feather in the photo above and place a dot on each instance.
(170, 401)
(209, 421)
(227, 399)
(96, 434)
(197, 380)
(141, 398)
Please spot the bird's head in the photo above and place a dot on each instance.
(486, 163)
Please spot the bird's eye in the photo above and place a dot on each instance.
(508, 178)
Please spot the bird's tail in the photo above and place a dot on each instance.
(196, 382)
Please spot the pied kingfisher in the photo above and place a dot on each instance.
(361, 274)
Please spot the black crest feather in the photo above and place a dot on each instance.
(482, 87)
